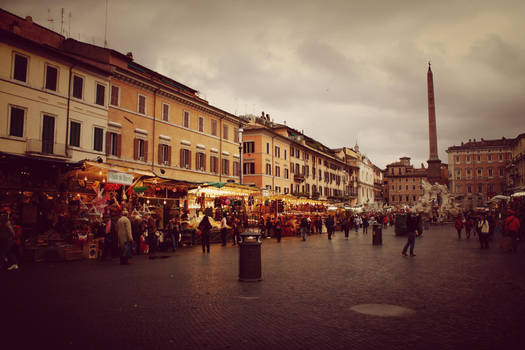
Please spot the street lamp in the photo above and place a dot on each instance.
(240, 152)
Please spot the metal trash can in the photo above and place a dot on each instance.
(377, 234)
(250, 257)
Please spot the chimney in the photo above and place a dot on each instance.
(262, 114)
(474, 140)
(130, 55)
(461, 143)
(29, 19)
(482, 139)
(267, 117)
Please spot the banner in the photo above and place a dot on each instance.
(120, 178)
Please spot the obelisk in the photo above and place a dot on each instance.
(434, 163)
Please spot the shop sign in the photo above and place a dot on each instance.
(120, 178)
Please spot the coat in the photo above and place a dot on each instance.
(123, 229)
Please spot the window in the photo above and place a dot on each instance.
(286, 173)
(236, 167)
(214, 127)
(500, 156)
(480, 188)
(490, 188)
(201, 161)
(248, 168)
(201, 124)
(306, 156)
(236, 136)
(185, 158)
(267, 148)
(74, 134)
(469, 188)
(16, 124)
(100, 98)
(414, 198)
(468, 159)
(78, 86)
(97, 139)
(277, 171)
(284, 154)
(277, 152)
(307, 188)
(268, 169)
(186, 119)
(225, 132)
(480, 171)
(489, 157)
(248, 147)
(20, 68)
(113, 144)
(225, 166)
(406, 187)
(458, 188)
(142, 104)
(469, 171)
(297, 169)
(414, 187)
(277, 189)
(314, 171)
(51, 78)
(490, 172)
(291, 151)
(115, 92)
(165, 112)
(457, 159)
(140, 149)
(478, 157)
(297, 153)
(164, 154)
(214, 164)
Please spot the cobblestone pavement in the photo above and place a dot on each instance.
(461, 297)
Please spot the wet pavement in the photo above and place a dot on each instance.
(315, 294)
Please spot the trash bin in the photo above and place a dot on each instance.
(250, 257)
(377, 234)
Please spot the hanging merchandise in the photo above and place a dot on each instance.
(140, 189)
(111, 187)
(124, 197)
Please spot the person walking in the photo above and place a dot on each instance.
(278, 229)
(124, 236)
(304, 227)
(483, 228)
(224, 230)
(205, 227)
(412, 232)
(469, 223)
(459, 225)
(365, 225)
(512, 229)
(7, 243)
(174, 231)
(345, 225)
(330, 226)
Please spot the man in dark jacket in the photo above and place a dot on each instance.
(412, 229)
(205, 227)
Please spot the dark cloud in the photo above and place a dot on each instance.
(342, 71)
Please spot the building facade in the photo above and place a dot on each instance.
(52, 105)
(477, 170)
(402, 183)
(515, 170)
(286, 161)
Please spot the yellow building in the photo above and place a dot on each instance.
(161, 127)
(284, 160)
(52, 105)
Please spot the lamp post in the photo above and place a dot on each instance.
(240, 152)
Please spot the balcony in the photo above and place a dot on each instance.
(36, 146)
(298, 177)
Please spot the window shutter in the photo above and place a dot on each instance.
(145, 150)
(181, 158)
(204, 161)
(119, 145)
(169, 155)
(108, 143)
(197, 165)
(189, 159)
(135, 149)
(160, 160)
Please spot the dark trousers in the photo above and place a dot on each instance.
(347, 230)
(484, 240)
(410, 243)
(125, 252)
(459, 233)
(224, 232)
(467, 232)
(278, 235)
(365, 229)
(330, 231)
(205, 241)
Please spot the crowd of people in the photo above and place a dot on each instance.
(127, 231)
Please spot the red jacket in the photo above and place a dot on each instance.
(512, 224)
(459, 224)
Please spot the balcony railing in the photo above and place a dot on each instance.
(298, 177)
(46, 147)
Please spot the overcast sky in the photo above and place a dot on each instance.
(342, 71)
